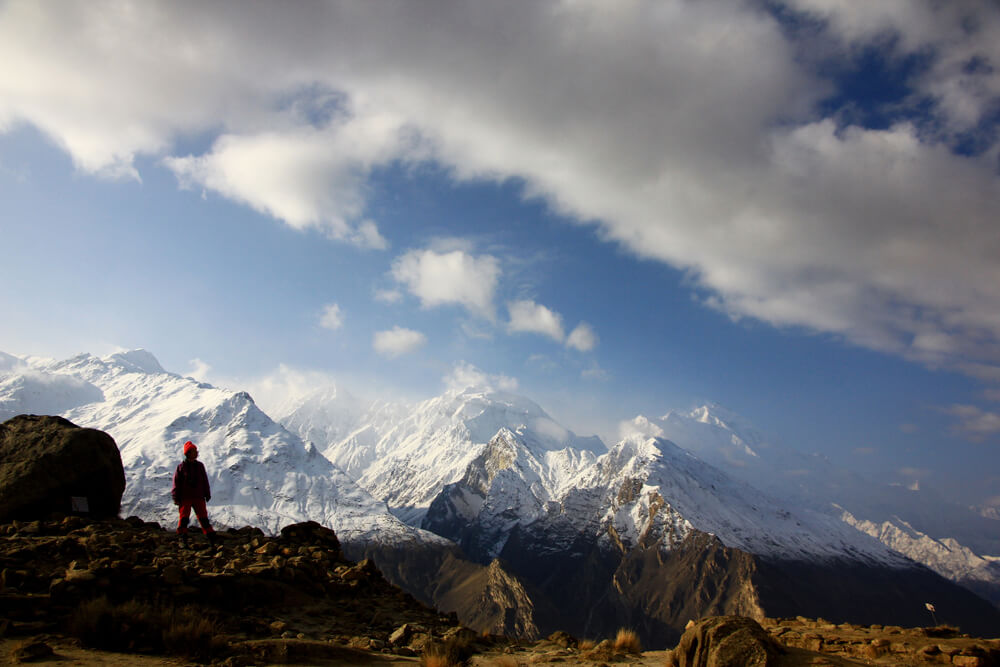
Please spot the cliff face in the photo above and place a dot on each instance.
(598, 588)
(488, 598)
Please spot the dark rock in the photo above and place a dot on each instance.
(363, 571)
(726, 641)
(45, 462)
(312, 533)
(563, 639)
(402, 634)
(30, 651)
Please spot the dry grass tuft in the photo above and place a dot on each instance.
(435, 661)
(190, 633)
(587, 644)
(139, 627)
(450, 653)
(627, 641)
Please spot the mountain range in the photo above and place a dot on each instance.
(477, 501)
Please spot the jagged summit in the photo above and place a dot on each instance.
(737, 513)
(261, 474)
(139, 359)
(405, 454)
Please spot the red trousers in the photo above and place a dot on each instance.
(200, 511)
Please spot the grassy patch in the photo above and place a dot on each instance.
(449, 653)
(627, 641)
(139, 627)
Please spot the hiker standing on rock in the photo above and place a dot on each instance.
(191, 491)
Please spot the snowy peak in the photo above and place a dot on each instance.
(325, 415)
(484, 412)
(499, 454)
(642, 474)
(137, 361)
(406, 455)
(260, 473)
(945, 556)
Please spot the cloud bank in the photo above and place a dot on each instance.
(691, 133)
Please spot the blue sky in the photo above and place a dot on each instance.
(786, 207)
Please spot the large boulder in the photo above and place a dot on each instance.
(48, 464)
(726, 641)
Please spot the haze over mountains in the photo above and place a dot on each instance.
(478, 500)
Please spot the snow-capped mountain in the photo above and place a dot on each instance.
(261, 474)
(405, 455)
(713, 502)
(508, 484)
(945, 556)
(647, 526)
(592, 533)
(437, 456)
(643, 490)
(729, 443)
(485, 462)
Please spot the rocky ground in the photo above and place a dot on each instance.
(126, 592)
(886, 645)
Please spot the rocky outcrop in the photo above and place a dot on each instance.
(255, 589)
(726, 641)
(880, 644)
(48, 464)
(487, 598)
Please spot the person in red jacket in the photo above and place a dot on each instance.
(191, 491)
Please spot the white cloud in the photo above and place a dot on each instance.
(465, 376)
(527, 316)
(366, 235)
(397, 342)
(640, 426)
(582, 338)
(530, 317)
(279, 390)
(686, 132)
(450, 278)
(199, 370)
(594, 372)
(973, 422)
(388, 295)
(551, 429)
(331, 318)
(305, 176)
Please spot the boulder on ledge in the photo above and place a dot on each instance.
(726, 641)
(48, 464)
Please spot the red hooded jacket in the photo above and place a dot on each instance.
(190, 482)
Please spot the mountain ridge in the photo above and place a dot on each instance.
(534, 514)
